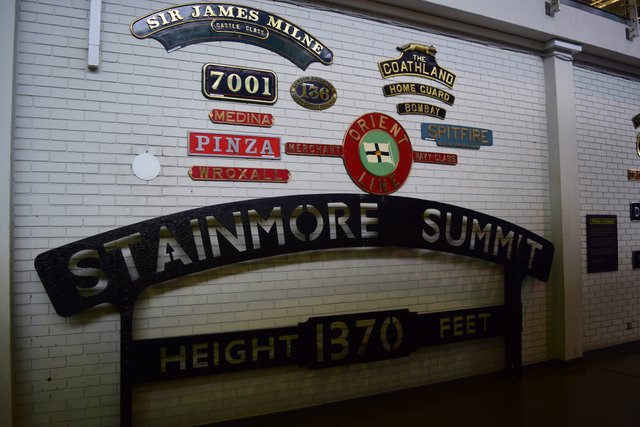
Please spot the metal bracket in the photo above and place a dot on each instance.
(552, 7)
(633, 27)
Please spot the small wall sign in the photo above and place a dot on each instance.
(635, 211)
(396, 89)
(437, 158)
(321, 150)
(222, 173)
(457, 136)
(633, 175)
(242, 118)
(180, 26)
(228, 83)
(313, 93)
(229, 145)
(417, 60)
(421, 109)
(602, 243)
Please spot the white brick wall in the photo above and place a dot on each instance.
(76, 135)
(607, 148)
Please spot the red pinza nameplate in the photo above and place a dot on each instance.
(229, 145)
(243, 118)
(222, 173)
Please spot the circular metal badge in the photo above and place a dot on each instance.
(313, 93)
(377, 153)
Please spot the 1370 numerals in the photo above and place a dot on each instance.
(358, 338)
(223, 82)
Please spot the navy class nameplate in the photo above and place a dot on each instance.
(180, 26)
(313, 93)
(228, 83)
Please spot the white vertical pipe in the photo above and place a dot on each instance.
(95, 12)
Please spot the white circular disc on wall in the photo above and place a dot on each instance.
(146, 166)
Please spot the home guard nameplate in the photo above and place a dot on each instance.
(180, 26)
(417, 60)
(457, 136)
(243, 118)
(228, 83)
(228, 145)
(313, 93)
(396, 89)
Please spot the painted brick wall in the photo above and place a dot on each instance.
(607, 148)
(78, 131)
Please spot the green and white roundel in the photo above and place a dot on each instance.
(379, 153)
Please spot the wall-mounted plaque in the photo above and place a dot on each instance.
(417, 60)
(313, 93)
(633, 175)
(223, 173)
(227, 145)
(602, 243)
(377, 153)
(320, 150)
(243, 118)
(456, 136)
(181, 26)
(636, 121)
(421, 109)
(228, 83)
(437, 158)
(635, 211)
(396, 89)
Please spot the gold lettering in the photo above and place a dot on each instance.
(153, 23)
(196, 11)
(287, 339)
(208, 11)
(255, 348)
(181, 358)
(444, 326)
(240, 354)
(228, 12)
(484, 317)
(175, 15)
(198, 355)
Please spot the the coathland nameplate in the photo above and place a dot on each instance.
(417, 60)
(319, 342)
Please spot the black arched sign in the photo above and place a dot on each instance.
(117, 266)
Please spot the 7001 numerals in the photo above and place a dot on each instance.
(227, 83)
(341, 340)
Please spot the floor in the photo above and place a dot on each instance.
(603, 389)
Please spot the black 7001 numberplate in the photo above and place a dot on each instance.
(227, 83)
